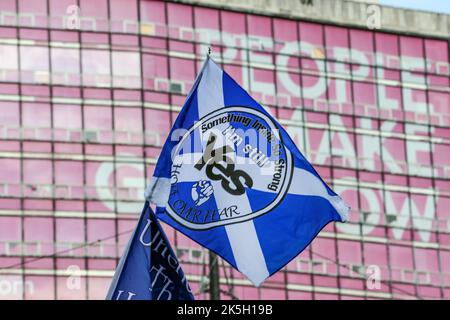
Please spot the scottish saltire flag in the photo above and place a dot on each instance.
(230, 178)
(149, 269)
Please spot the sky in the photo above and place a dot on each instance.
(441, 6)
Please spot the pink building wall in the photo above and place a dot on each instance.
(85, 110)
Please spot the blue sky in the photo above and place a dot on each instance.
(442, 6)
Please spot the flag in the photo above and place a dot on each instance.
(149, 269)
(230, 178)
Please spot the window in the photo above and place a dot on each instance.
(68, 173)
(393, 155)
(418, 152)
(180, 22)
(153, 18)
(70, 231)
(437, 56)
(38, 236)
(37, 172)
(343, 144)
(10, 235)
(9, 62)
(98, 124)
(389, 102)
(65, 66)
(402, 265)
(182, 75)
(34, 64)
(376, 256)
(94, 15)
(58, 12)
(39, 287)
(412, 54)
(101, 229)
(65, 287)
(364, 98)
(314, 87)
(387, 50)
(368, 145)
(98, 288)
(439, 104)
(126, 69)
(33, 13)
(67, 122)
(311, 40)
(96, 68)
(157, 126)
(362, 50)
(127, 121)
(207, 31)
(337, 46)
(123, 16)
(155, 72)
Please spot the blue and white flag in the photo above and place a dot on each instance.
(149, 269)
(230, 178)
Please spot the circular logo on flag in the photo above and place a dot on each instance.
(230, 166)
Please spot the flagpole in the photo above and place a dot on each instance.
(214, 285)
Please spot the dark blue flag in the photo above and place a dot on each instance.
(149, 269)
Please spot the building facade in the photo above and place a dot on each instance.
(89, 90)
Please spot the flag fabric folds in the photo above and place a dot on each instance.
(230, 178)
(149, 269)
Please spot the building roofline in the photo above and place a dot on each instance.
(341, 12)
